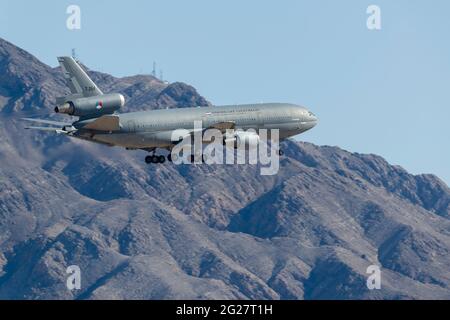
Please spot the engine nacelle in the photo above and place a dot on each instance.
(243, 139)
(92, 106)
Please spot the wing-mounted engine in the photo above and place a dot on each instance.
(95, 106)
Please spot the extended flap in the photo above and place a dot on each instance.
(223, 126)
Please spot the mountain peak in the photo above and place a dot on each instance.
(29, 85)
(22, 79)
(19, 62)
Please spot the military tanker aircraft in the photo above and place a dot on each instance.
(99, 120)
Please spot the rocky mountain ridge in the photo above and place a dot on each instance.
(203, 232)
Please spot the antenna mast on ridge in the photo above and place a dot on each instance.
(154, 69)
(74, 54)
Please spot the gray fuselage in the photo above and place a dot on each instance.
(153, 129)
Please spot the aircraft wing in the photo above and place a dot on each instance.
(55, 123)
(223, 126)
(104, 123)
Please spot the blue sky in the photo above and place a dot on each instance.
(385, 92)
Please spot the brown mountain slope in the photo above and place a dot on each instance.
(160, 232)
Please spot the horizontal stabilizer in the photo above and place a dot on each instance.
(56, 130)
(55, 123)
(104, 123)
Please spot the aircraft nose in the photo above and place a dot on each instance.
(309, 124)
(311, 121)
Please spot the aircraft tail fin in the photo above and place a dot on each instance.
(77, 79)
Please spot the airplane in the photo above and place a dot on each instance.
(98, 119)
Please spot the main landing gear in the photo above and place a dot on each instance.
(155, 159)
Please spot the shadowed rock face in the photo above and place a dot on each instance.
(193, 232)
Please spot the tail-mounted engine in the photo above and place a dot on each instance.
(91, 106)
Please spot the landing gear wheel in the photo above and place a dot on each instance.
(169, 157)
(148, 159)
(280, 152)
(192, 158)
(155, 159)
(161, 159)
